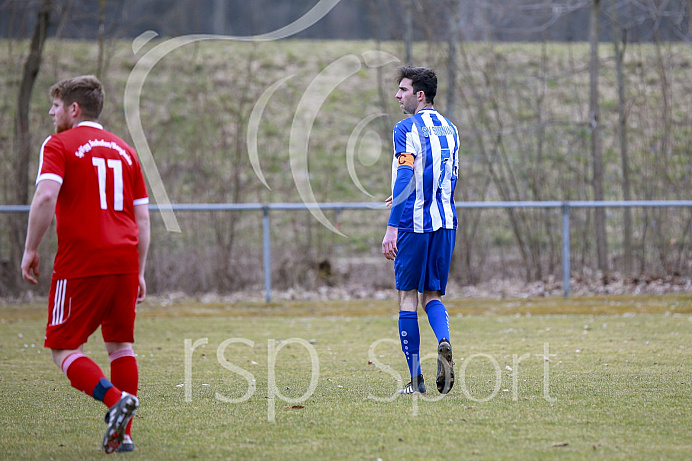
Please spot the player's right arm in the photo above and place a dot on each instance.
(397, 203)
(40, 216)
(142, 219)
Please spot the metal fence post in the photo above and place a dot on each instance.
(267, 255)
(565, 249)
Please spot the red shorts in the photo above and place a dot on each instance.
(77, 307)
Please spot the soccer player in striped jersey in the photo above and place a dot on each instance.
(422, 222)
(91, 180)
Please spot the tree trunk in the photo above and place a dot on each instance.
(452, 64)
(624, 154)
(408, 32)
(102, 33)
(689, 19)
(22, 134)
(219, 21)
(596, 144)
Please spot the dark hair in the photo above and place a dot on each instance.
(422, 78)
(85, 90)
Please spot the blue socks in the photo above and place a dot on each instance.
(410, 340)
(409, 333)
(439, 319)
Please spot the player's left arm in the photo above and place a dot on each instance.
(142, 219)
(40, 216)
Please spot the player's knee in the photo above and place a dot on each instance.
(59, 355)
(112, 347)
(429, 296)
(408, 300)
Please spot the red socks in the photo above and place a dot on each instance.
(85, 375)
(125, 374)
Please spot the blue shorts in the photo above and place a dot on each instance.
(423, 260)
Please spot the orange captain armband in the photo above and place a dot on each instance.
(405, 160)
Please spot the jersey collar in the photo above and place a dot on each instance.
(91, 124)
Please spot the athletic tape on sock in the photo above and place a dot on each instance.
(101, 388)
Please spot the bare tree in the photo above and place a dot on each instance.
(408, 31)
(64, 14)
(619, 35)
(22, 134)
(31, 68)
(596, 143)
(219, 18)
(102, 33)
(453, 35)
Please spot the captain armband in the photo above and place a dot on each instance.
(405, 160)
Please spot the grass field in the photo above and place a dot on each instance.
(589, 378)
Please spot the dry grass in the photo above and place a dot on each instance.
(195, 107)
(161, 307)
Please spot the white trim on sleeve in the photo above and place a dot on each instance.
(141, 201)
(51, 176)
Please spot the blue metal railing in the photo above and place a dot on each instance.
(566, 206)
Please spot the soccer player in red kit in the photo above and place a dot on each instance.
(92, 181)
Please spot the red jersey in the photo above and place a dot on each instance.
(101, 182)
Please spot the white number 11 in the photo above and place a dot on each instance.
(117, 167)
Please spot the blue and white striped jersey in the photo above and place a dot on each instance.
(434, 141)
